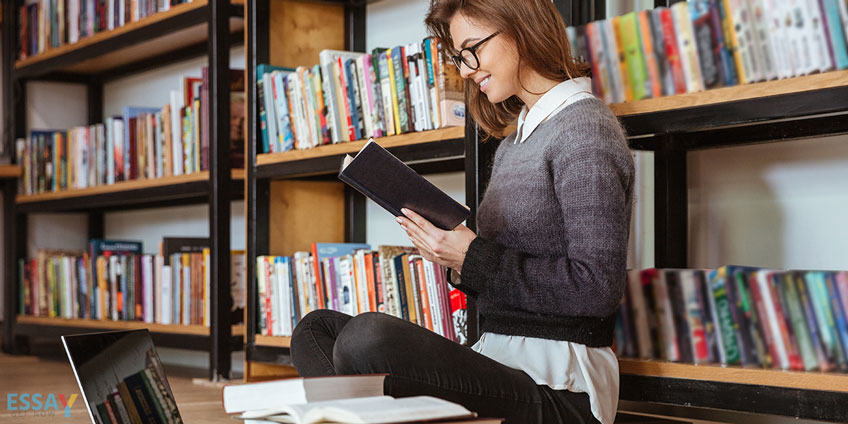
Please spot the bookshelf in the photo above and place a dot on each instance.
(199, 28)
(784, 110)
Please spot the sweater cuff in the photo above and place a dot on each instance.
(481, 260)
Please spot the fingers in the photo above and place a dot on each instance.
(419, 220)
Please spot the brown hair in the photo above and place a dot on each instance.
(536, 28)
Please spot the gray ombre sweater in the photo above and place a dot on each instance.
(550, 260)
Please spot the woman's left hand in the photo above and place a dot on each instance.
(446, 248)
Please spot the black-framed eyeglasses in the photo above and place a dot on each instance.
(468, 55)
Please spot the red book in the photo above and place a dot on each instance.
(672, 52)
(319, 280)
(133, 149)
(786, 330)
(369, 281)
(425, 298)
(759, 303)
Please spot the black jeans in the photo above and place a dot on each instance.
(420, 362)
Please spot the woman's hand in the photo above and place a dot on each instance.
(446, 248)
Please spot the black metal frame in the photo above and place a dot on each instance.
(217, 191)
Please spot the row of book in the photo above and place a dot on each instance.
(735, 315)
(353, 278)
(702, 44)
(115, 280)
(46, 24)
(352, 96)
(141, 143)
(141, 397)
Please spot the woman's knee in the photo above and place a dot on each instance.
(367, 343)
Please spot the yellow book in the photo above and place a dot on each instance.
(396, 113)
(732, 41)
(205, 266)
(185, 290)
(622, 59)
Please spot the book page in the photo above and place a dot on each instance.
(384, 410)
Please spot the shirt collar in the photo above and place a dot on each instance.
(548, 103)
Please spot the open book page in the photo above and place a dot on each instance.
(374, 410)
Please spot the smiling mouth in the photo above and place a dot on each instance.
(484, 82)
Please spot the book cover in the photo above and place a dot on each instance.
(622, 59)
(613, 64)
(707, 42)
(451, 91)
(387, 91)
(639, 81)
(724, 316)
(686, 45)
(392, 184)
(321, 251)
(835, 31)
(600, 76)
(825, 362)
(825, 316)
(788, 292)
(389, 276)
(646, 32)
(672, 51)
(396, 70)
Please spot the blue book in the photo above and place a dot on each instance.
(331, 250)
(276, 124)
(351, 79)
(835, 32)
(728, 66)
(841, 315)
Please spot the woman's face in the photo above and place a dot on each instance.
(497, 75)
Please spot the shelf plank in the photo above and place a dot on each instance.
(409, 139)
(181, 26)
(273, 341)
(734, 93)
(833, 382)
(195, 330)
(120, 186)
(10, 171)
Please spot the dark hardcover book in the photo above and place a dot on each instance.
(706, 42)
(392, 184)
(400, 264)
(728, 66)
(739, 309)
(678, 312)
(142, 398)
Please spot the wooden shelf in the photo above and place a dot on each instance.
(187, 188)
(833, 382)
(10, 171)
(353, 147)
(195, 330)
(182, 26)
(734, 93)
(273, 341)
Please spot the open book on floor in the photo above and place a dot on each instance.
(268, 395)
(371, 410)
(390, 183)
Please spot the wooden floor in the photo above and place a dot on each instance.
(27, 374)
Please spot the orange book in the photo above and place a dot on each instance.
(319, 282)
(425, 299)
(650, 57)
(369, 280)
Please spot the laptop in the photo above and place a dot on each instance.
(121, 378)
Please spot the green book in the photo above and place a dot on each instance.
(799, 323)
(824, 316)
(718, 283)
(637, 71)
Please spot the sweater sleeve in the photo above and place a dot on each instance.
(593, 182)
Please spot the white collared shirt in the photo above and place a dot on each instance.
(555, 100)
(561, 365)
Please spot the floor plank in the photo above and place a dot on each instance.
(27, 374)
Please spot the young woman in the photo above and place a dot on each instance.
(547, 268)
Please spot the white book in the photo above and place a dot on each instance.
(433, 297)
(386, 93)
(329, 84)
(414, 89)
(167, 300)
(779, 43)
(273, 292)
(177, 160)
(821, 53)
(283, 270)
(799, 37)
(372, 410)
(686, 45)
(347, 299)
(147, 289)
(269, 396)
(304, 86)
(365, 97)
(303, 293)
(762, 41)
(424, 89)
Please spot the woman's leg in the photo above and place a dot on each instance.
(313, 340)
(420, 362)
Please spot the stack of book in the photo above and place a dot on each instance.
(141, 143)
(702, 44)
(338, 399)
(353, 96)
(115, 280)
(46, 24)
(737, 315)
(353, 279)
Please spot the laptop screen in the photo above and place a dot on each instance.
(121, 378)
